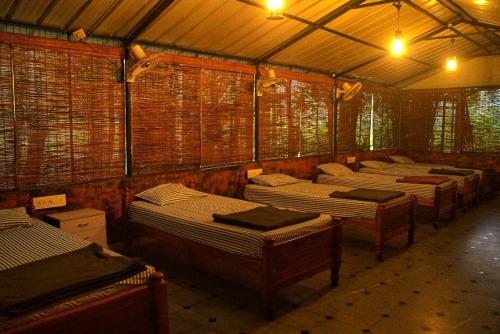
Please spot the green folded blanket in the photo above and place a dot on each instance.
(445, 171)
(372, 195)
(264, 218)
(33, 285)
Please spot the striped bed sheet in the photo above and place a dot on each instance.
(192, 219)
(384, 182)
(403, 171)
(40, 240)
(427, 167)
(312, 197)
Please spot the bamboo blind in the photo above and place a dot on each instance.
(295, 117)
(68, 111)
(483, 115)
(7, 146)
(189, 112)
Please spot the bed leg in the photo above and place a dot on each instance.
(159, 290)
(267, 290)
(379, 233)
(337, 251)
(453, 212)
(412, 220)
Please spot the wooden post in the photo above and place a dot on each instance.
(267, 288)
(159, 290)
(412, 219)
(336, 251)
(437, 208)
(379, 232)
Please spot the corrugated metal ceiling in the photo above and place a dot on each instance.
(239, 28)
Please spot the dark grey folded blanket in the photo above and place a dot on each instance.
(372, 195)
(445, 171)
(33, 285)
(264, 218)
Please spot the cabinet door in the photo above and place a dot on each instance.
(82, 224)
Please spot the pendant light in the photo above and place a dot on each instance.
(398, 47)
(451, 60)
(275, 8)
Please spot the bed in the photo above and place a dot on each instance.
(486, 176)
(442, 198)
(467, 186)
(386, 220)
(134, 305)
(274, 259)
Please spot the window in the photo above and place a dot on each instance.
(484, 118)
(444, 126)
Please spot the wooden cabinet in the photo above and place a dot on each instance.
(88, 224)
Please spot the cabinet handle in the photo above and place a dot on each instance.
(83, 225)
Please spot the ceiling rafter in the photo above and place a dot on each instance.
(310, 29)
(77, 15)
(482, 24)
(462, 13)
(46, 12)
(376, 3)
(335, 32)
(443, 23)
(147, 20)
(12, 9)
(104, 16)
(413, 41)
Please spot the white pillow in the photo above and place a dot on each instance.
(273, 180)
(401, 159)
(375, 164)
(169, 193)
(14, 217)
(335, 169)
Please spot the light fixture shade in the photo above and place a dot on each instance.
(398, 47)
(451, 64)
(275, 8)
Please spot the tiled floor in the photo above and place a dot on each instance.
(447, 282)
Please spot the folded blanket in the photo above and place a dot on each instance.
(40, 283)
(445, 171)
(264, 218)
(424, 179)
(372, 195)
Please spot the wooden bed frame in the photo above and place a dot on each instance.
(469, 192)
(281, 265)
(488, 183)
(444, 201)
(139, 309)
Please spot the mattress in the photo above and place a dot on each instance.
(403, 171)
(22, 245)
(192, 219)
(427, 167)
(311, 197)
(384, 182)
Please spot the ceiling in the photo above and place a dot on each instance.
(348, 38)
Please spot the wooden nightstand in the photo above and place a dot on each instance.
(88, 224)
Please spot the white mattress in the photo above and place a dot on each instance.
(192, 219)
(384, 182)
(403, 171)
(311, 197)
(427, 167)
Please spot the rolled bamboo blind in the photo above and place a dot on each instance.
(296, 117)
(189, 112)
(69, 122)
(7, 144)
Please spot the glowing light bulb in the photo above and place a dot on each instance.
(451, 64)
(398, 45)
(275, 8)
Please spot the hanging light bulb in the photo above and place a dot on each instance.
(398, 47)
(275, 8)
(451, 60)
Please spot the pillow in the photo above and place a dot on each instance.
(335, 169)
(375, 164)
(273, 180)
(169, 193)
(401, 159)
(14, 217)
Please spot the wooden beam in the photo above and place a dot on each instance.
(482, 24)
(76, 16)
(376, 3)
(462, 13)
(310, 29)
(445, 24)
(46, 11)
(147, 20)
(451, 36)
(362, 64)
(12, 9)
(103, 17)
